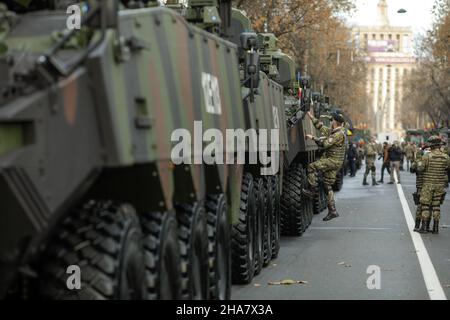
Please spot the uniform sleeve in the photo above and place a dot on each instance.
(319, 126)
(421, 163)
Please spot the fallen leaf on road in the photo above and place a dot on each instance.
(345, 264)
(257, 285)
(287, 282)
(447, 285)
(274, 264)
(445, 226)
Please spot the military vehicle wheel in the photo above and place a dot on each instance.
(292, 221)
(268, 220)
(193, 235)
(162, 255)
(219, 247)
(243, 236)
(323, 200)
(309, 211)
(339, 180)
(276, 223)
(104, 240)
(259, 224)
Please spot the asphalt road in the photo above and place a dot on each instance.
(334, 257)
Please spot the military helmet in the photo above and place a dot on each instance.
(338, 117)
(434, 141)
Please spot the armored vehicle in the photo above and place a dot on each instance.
(102, 164)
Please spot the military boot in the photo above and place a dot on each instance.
(417, 226)
(436, 227)
(374, 182)
(424, 228)
(332, 213)
(365, 181)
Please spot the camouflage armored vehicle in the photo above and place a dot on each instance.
(97, 172)
(296, 210)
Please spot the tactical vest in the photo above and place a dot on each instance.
(337, 151)
(371, 151)
(435, 168)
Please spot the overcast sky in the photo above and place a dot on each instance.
(418, 14)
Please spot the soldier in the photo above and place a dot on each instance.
(333, 140)
(386, 163)
(409, 153)
(434, 167)
(395, 157)
(419, 183)
(371, 154)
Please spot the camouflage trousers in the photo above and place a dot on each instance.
(370, 166)
(419, 207)
(431, 198)
(328, 168)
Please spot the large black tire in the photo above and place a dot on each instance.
(320, 201)
(242, 235)
(259, 224)
(276, 218)
(219, 247)
(193, 235)
(105, 241)
(309, 211)
(292, 218)
(162, 250)
(268, 220)
(337, 186)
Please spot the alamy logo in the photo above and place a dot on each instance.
(74, 279)
(261, 146)
(74, 19)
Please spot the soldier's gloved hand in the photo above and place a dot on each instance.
(309, 136)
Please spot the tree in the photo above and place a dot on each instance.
(428, 88)
(313, 34)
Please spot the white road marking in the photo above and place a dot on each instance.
(434, 287)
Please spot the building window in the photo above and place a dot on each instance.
(374, 36)
(382, 36)
(390, 37)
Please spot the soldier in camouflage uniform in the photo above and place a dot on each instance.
(434, 167)
(334, 141)
(419, 183)
(370, 152)
(409, 153)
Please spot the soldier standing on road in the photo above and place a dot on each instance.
(409, 153)
(434, 167)
(352, 155)
(333, 140)
(371, 154)
(419, 184)
(395, 156)
(386, 164)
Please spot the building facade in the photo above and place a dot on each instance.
(387, 50)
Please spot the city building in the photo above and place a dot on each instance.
(388, 52)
